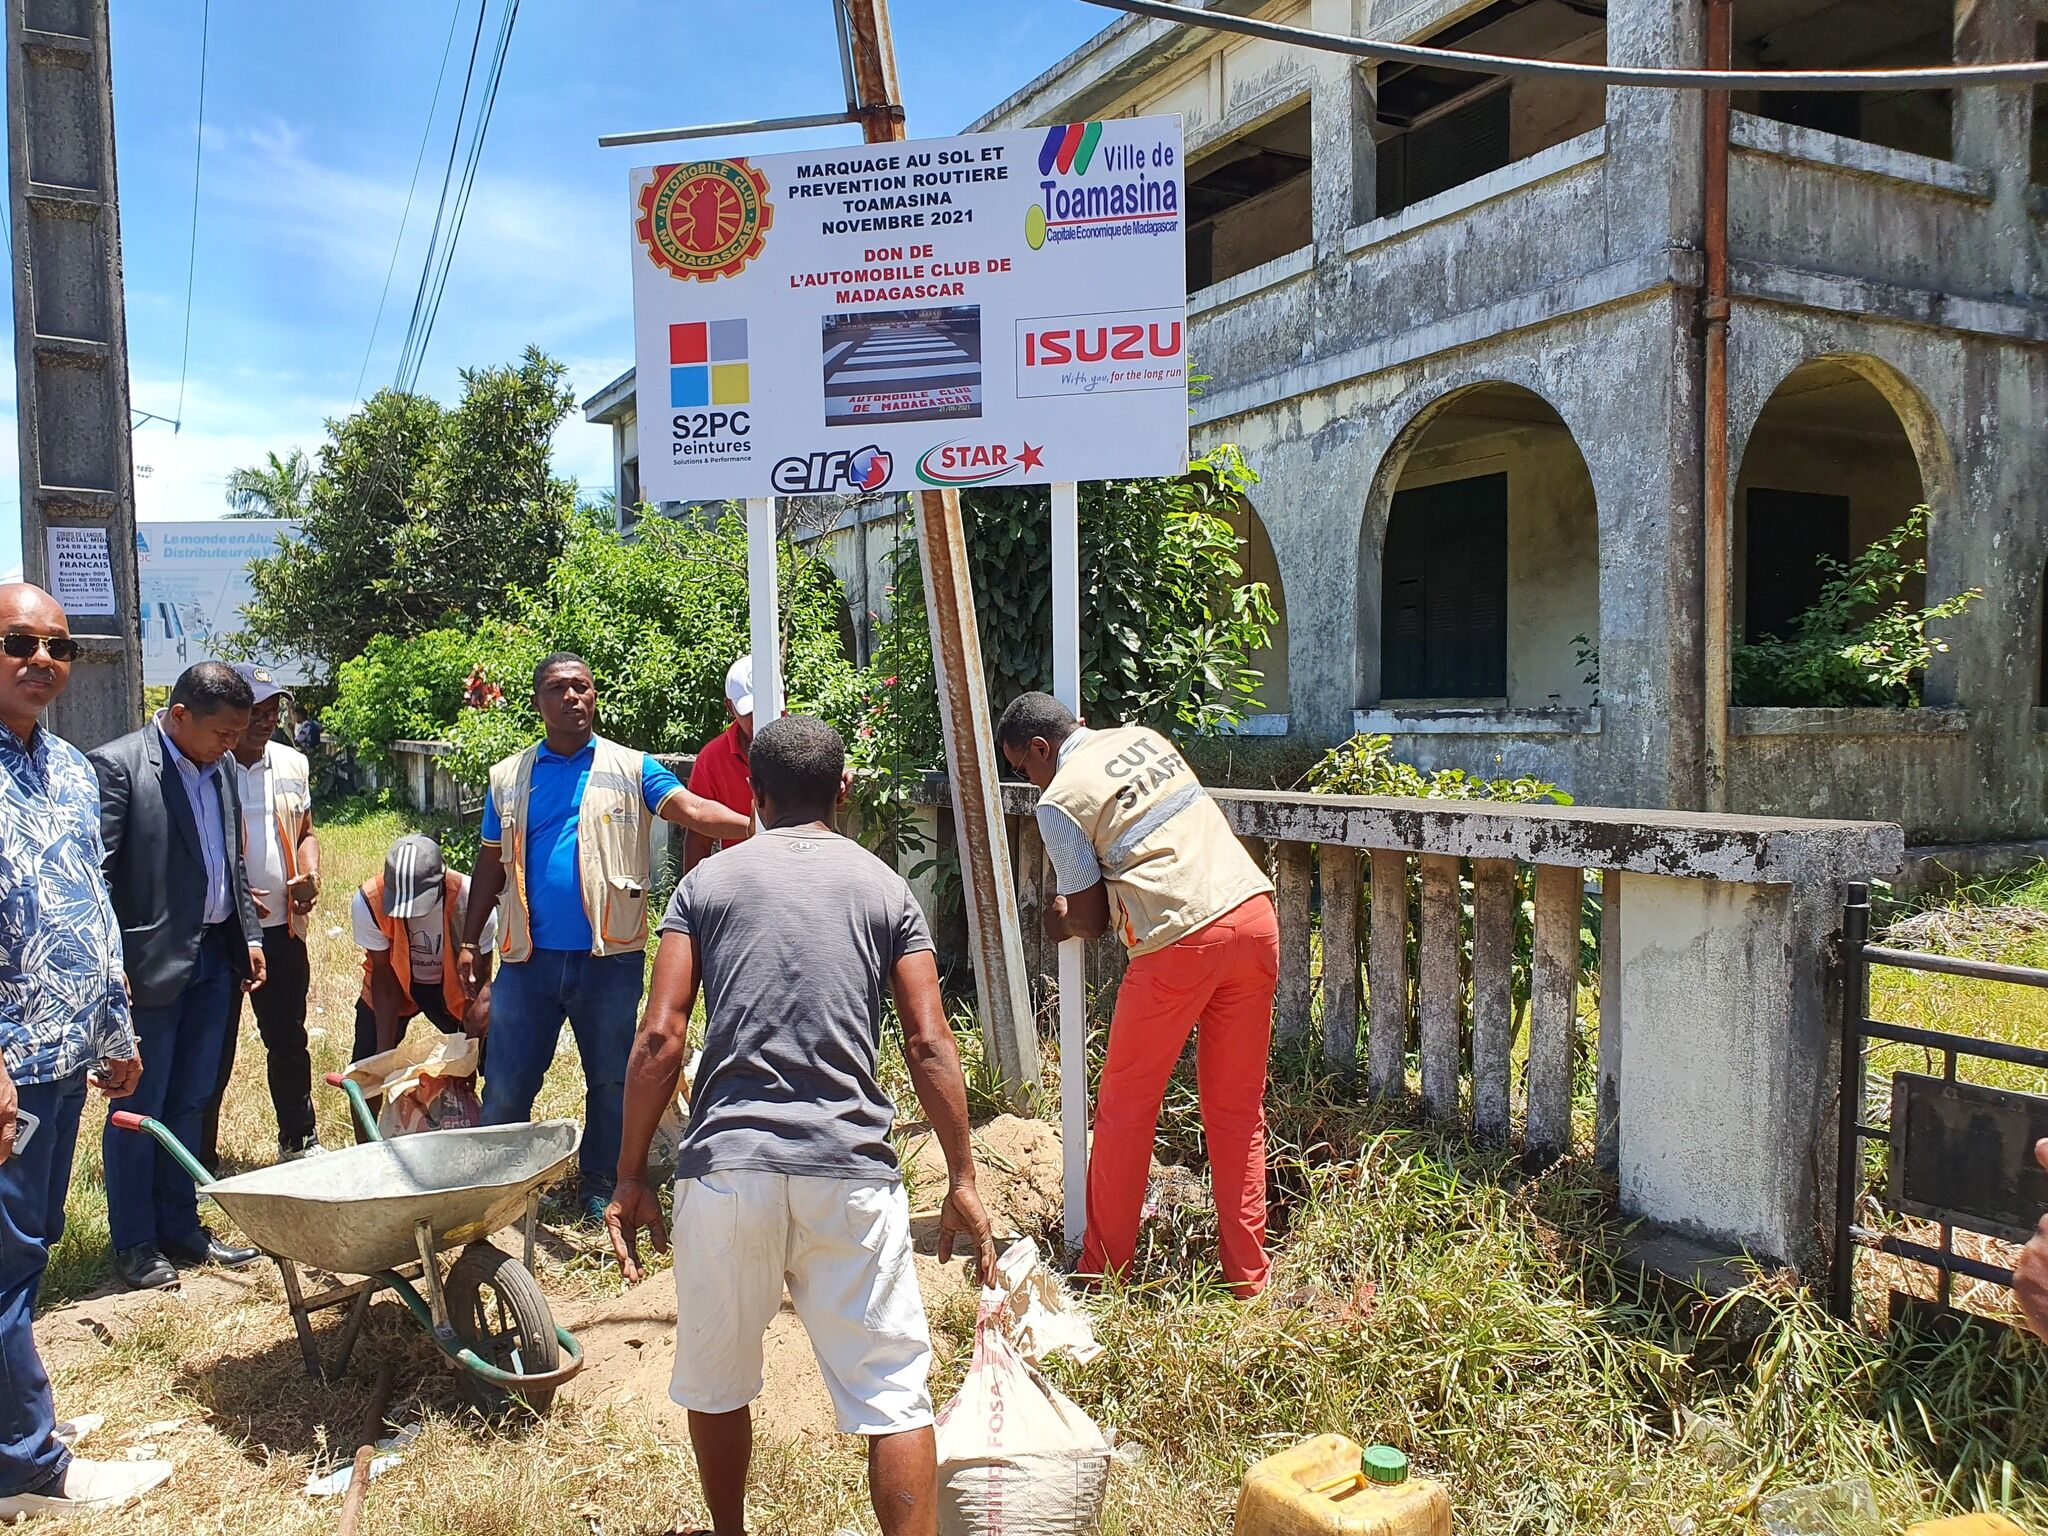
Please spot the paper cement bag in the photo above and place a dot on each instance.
(1016, 1456)
(1038, 1315)
(427, 1082)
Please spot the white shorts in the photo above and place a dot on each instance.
(842, 1246)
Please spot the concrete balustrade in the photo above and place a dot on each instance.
(1714, 1044)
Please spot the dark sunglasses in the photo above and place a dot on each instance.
(22, 647)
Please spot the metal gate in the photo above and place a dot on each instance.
(1958, 1154)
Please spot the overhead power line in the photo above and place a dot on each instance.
(192, 245)
(1940, 78)
(426, 132)
(454, 208)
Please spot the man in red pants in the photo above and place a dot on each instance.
(1135, 839)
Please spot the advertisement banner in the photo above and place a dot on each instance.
(1002, 308)
(194, 579)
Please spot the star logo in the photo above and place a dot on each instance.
(1030, 458)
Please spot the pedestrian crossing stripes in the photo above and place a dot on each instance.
(902, 368)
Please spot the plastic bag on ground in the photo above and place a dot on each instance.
(427, 1082)
(1039, 1316)
(1017, 1457)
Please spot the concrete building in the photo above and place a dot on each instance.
(1455, 323)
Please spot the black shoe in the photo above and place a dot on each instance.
(144, 1268)
(211, 1251)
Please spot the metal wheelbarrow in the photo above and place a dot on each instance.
(385, 1210)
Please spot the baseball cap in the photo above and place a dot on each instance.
(259, 678)
(739, 686)
(412, 876)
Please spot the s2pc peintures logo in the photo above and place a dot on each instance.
(705, 219)
(1093, 191)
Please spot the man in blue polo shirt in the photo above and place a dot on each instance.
(565, 860)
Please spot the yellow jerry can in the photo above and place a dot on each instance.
(1329, 1486)
(1967, 1525)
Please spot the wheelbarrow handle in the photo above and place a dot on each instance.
(128, 1120)
(357, 1103)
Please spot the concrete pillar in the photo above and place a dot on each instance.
(1341, 112)
(1729, 1062)
(1992, 132)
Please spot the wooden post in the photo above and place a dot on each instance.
(1493, 994)
(1007, 1024)
(1292, 874)
(1387, 975)
(1554, 978)
(1340, 956)
(1442, 986)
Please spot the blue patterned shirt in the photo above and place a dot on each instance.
(62, 1003)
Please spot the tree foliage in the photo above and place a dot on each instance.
(659, 618)
(419, 515)
(1860, 642)
(275, 488)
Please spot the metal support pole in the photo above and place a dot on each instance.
(71, 356)
(1717, 543)
(1849, 1146)
(1008, 1025)
(1066, 686)
(764, 608)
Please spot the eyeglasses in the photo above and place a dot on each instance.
(22, 647)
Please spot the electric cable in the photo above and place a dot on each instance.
(447, 178)
(192, 244)
(1938, 78)
(426, 132)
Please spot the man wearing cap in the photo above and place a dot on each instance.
(565, 844)
(408, 922)
(283, 856)
(721, 771)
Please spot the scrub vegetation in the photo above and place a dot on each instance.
(1426, 1293)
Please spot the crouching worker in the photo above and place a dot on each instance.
(786, 1175)
(1134, 837)
(408, 924)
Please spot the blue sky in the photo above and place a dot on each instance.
(313, 121)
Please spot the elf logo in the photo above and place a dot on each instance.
(860, 471)
(1102, 354)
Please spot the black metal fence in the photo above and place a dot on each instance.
(1959, 1154)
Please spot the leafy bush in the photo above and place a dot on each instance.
(1860, 643)
(1366, 765)
(408, 690)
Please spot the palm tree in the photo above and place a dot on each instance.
(279, 488)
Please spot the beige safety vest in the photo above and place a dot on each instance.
(291, 807)
(1169, 859)
(611, 850)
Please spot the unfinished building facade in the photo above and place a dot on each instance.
(1455, 323)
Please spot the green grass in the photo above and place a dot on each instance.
(1425, 1293)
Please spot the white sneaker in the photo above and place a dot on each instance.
(72, 1432)
(89, 1485)
(310, 1149)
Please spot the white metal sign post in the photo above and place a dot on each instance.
(1073, 982)
(927, 315)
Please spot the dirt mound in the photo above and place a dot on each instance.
(629, 1341)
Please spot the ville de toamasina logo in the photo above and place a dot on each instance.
(706, 219)
(1135, 194)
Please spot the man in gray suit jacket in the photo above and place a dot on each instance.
(190, 938)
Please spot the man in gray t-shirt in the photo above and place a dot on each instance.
(786, 1175)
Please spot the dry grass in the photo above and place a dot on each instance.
(1425, 1294)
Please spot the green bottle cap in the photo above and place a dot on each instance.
(1384, 1464)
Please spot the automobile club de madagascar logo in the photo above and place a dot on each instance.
(705, 220)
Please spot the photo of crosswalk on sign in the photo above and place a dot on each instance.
(1002, 308)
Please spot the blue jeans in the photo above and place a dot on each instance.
(600, 997)
(32, 1189)
(150, 1199)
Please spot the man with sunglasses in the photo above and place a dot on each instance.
(63, 1024)
(171, 819)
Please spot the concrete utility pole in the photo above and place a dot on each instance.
(1007, 1022)
(71, 354)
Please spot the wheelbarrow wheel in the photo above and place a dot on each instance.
(498, 1309)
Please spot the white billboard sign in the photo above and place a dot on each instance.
(1003, 308)
(194, 580)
